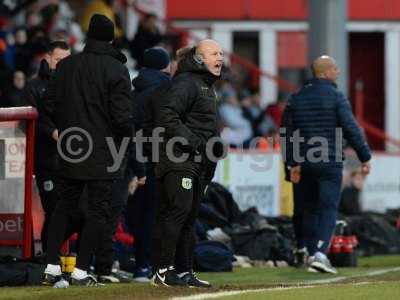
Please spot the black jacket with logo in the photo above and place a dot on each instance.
(187, 109)
(90, 92)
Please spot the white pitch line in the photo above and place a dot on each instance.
(302, 285)
(233, 293)
(380, 272)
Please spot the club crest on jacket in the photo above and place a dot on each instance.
(187, 183)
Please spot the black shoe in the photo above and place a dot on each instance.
(193, 281)
(300, 258)
(50, 279)
(89, 281)
(167, 277)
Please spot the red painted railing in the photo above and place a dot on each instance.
(29, 114)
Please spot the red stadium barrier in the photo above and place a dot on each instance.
(369, 128)
(28, 114)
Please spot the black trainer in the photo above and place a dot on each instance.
(89, 281)
(191, 279)
(167, 277)
(300, 258)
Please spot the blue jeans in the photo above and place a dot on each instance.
(316, 202)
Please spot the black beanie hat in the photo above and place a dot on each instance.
(101, 28)
(156, 58)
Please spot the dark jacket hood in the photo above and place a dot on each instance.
(188, 64)
(149, 78)
(104, 48)
(44, 70)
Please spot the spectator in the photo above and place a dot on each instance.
(102, 7)
(238, 129)
(275, 111)
(32, 19)
(15, 96)
(262, 123)
(38, 41)
(23, 54)
(49, 16)
(148, 35)
(5, 75)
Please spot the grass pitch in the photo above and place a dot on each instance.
(375, 278)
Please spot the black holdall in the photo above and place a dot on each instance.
(16, 272)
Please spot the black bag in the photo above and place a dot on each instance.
(256, 244)
(14, 272)
(212, 256)
(263, 244)
(12, 277)
(375, 234)
(221, 200)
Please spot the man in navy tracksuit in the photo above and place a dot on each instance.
(141, 207)
(315, 121)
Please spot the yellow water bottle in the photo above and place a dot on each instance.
(70, 262)
(62, 259)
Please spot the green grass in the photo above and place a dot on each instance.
(372, 291)
(255, 277)
(238, 280)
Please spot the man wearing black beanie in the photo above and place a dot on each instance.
(141, 208)
(88, 101)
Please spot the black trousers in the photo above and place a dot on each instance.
(140, 218)
(174, 236)
(47, 186)
(105, 252)
(97, 216)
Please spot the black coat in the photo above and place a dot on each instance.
(91, 91)
(46, 158)
(15, 97)
(317, 110)
(187, 109)
(147, 81)
(145, 84)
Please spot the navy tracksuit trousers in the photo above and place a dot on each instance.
(316, 202)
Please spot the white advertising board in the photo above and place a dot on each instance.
(253, 179)
(382, 186)
(14, 149)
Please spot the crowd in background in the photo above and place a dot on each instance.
(24, 37)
